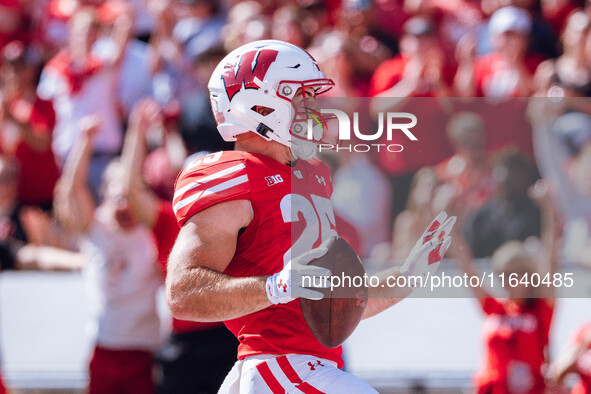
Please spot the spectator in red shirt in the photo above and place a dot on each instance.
(516, 329)
(30, 120)
(575, 358)
(81, 80)
(508, 70)
(420, 70)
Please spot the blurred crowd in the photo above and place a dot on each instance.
(103, 101)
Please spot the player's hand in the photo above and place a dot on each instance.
(286, 285)
(427, 253)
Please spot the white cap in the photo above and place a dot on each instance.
(510, 19)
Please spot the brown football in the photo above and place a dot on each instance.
(334, 318)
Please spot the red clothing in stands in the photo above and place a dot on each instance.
(494, 78)
(515, 337)
(38, 169)
(121, 371)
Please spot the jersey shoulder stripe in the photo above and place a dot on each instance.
(210, 180)
(186, 194)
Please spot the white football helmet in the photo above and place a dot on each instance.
(253, 89)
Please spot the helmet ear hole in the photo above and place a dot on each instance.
(262, 110)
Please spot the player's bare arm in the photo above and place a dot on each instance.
(196, 288)
(382, 298)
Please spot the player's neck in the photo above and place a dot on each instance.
(249, 142)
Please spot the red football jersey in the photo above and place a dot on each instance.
(516, 337)
(583, 366)
(292, 209)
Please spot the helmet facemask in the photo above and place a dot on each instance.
(309, 127)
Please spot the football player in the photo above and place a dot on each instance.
(250, 228)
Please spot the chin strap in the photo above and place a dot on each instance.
(263, 129)
(240, 119)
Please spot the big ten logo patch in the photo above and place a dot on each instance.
(273, 180)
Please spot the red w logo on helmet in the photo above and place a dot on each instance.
(251, 65)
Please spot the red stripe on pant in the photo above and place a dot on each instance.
(269, 379)
(293, 376)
